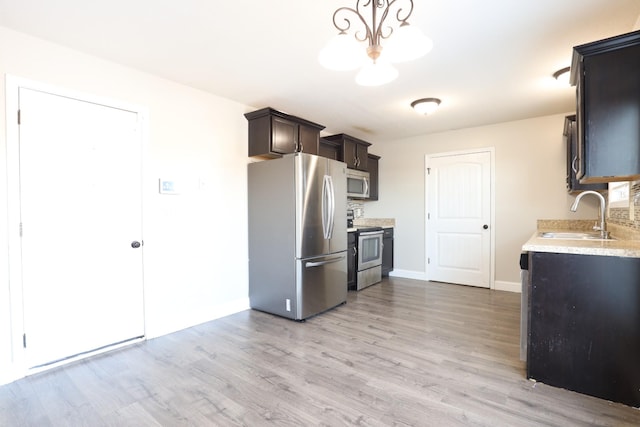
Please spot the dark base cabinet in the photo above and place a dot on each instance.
(387, 251)
(352, 259)
(584, 324)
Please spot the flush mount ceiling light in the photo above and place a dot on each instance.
(426, 105)
(562, 75)
(345, 52)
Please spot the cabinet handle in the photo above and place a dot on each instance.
(300, 147)
(574, 166)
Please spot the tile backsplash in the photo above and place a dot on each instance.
(357, 206)
(624, 216)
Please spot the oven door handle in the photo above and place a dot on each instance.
(321, 263)
(370, 233)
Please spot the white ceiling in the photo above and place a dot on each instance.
(492, 60)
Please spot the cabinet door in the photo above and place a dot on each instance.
(349, 154)
(328, 149)
(585, 324)
(372, 167)
(284, 136)
(309, 139)
(352, 259)
(361, 156)
(610, 99)
(573, 159)
(387, 252)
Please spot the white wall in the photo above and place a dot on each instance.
(529, 177)
(195, 253)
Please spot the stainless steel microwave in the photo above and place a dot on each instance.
(357, 184)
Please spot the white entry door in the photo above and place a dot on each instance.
(459, 218)
(80, 212)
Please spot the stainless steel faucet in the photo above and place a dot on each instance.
(602, 228)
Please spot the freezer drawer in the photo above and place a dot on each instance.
(322, 284)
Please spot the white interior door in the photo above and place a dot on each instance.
(80, 210)
(459, 218)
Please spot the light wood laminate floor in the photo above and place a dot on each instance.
(402, 352)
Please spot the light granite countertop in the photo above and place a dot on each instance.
(374, 222)
(625, 244)
(371, 222)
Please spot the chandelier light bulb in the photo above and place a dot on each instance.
(406, 44)
(379, 38)
(376, 73)
(342, 53)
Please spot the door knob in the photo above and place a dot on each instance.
(485, 226)
(135, 244)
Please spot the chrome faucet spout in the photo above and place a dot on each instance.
(603, 231)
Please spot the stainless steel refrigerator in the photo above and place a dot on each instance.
(297, 235)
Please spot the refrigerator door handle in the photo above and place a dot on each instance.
(328, 207)
(321, 263)
(332, 207)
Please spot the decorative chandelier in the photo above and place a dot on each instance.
(345, 53)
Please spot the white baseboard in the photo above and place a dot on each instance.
(10, 375)
(499, 285)
(508, 286)
(409, 274)
(232, 307)
(215, 312)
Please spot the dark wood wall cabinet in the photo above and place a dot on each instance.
(330, 149)
(387, 251)
(584, 324)
(571, 141)
(372, 167)
(273, 133)
(353, 151)
(605, 74)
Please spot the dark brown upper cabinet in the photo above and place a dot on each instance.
(329, 149)
(372, 167)
(273, 133)
(571, 140)
(353, 151)
(605, 74)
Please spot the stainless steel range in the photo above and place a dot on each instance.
(369, 247)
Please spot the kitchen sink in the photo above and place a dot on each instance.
(572, 235)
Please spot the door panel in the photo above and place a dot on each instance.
(338, 173)
(309, 175)
(80, 178)
(459, 213)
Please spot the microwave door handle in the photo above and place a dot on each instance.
(366, 186)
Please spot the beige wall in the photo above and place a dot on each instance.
(529, 185)
(196, 244)
(195, 253)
